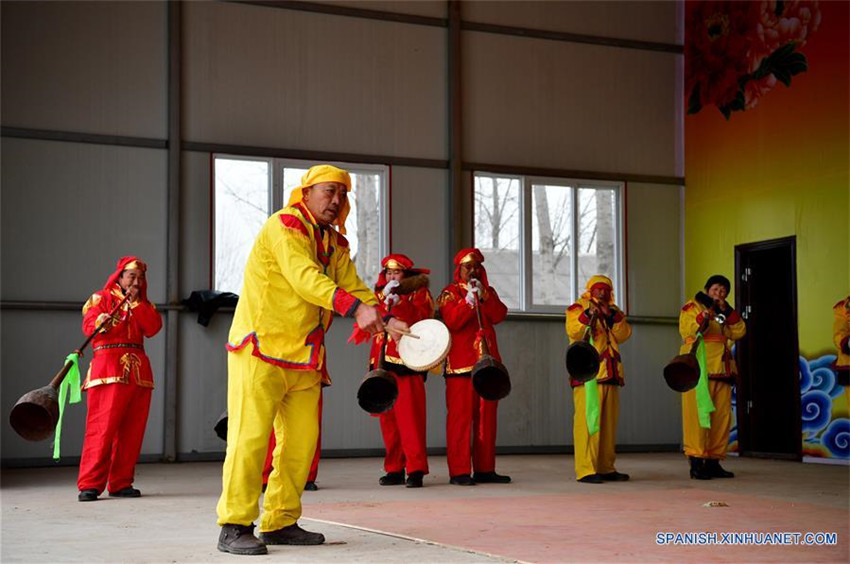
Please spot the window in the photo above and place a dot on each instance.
(544, 237)
(248, 190)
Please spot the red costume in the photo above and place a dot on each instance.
(119, 383)
(403, 426)
(469, 413)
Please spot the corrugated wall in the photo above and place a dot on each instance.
(296, 80)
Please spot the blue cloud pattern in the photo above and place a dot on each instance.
(824, 434)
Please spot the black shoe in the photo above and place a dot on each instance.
(462, 480)
(392, 479)
(715, 470)
(126, 492)
(240, 539)
(490, 478)
(311, 487)
(87, 495)
(698, 469)
(614, 477)
(292, 534)
(592, 479)
(414, 479)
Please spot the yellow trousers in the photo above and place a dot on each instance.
(261, 396)
(595, 454)
(713, 442)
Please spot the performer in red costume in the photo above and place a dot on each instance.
(469, 413)
(403, 426)
(119, 382)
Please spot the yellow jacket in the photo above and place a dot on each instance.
(606, 339)
(296, 276)
(841, 332)
(718, 352)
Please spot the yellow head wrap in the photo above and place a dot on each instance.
(317, 175)
(599, 279)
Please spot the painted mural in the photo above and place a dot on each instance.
(737, 52)
(767, 97)
(823, 407)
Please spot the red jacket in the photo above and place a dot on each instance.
(462, 322)
(119, 352)
(413, 307)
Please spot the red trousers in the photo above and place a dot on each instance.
(403, 427)
(115, 427)
(314, 467)
(469, 414)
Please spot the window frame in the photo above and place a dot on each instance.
(275, 200)
(526, 287)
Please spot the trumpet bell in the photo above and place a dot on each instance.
(582, 361)
(682, 373)
(35, 415)
(220, 427)
(378, 391)
(490, 378)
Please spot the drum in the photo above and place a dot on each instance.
(429, 350)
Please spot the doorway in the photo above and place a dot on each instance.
(768, 411)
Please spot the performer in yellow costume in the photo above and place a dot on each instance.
(841, 337)
(298, 274)
(706, 447)
(594, 451)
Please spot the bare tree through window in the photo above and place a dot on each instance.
(573, 234)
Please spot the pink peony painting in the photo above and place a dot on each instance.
(736, 51)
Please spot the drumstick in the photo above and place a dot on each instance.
(404, 332)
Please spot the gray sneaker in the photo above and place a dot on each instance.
(292, 534)
(240, 539)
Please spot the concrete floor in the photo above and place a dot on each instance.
(544, 516)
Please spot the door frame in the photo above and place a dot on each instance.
(742, 393)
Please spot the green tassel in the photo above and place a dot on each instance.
(704, 404)
(70, 386)
(591, 403)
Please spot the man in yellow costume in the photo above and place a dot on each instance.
(597, 403)
(706, 441)
(298, 274)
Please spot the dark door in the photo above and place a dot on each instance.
(768, 411)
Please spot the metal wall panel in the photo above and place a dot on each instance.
(429, 8)
(623, 19)
(654, 249)
(553, 104)
(70, 211)
(94, 67)
(281, 78)
(420, 222)
(35, 344)
(539, 410)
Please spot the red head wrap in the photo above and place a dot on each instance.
(126, 263)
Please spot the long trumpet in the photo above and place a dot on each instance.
(582, 358)
(490, 378)
(682, 373)
(36, 413)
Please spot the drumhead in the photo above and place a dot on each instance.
(429, 350)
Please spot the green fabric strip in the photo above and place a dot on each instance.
(591, 403)
(704, 404)
(71, 384)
